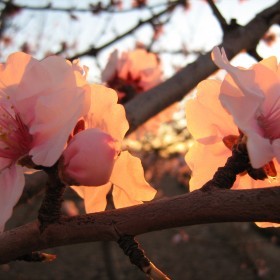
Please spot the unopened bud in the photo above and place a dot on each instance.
(89, 158)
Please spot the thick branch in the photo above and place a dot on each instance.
(148, 104)
(194, 208)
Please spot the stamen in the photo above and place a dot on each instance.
(15, 139)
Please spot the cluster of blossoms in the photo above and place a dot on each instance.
(94, 157)
(48, 112)
(247, 102)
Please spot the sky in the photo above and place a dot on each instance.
(194, 29)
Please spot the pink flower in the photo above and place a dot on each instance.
(213, 128)
(108, 167)
(252, 97)
(210, 124)
(132, 72)
(33, 124)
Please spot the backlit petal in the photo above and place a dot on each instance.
(123, 199)
(207, 120)
(106, 114)
(94, 198)
(128, 175)
(204, 160)
(51, 128)
(259, 149)
(11, 187)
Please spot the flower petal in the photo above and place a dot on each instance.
(11, 187)
(276, 149)
(204, 160)
(51, 128)
(243, 108)
(270, 62)
(207, 120)
(4, 163)
(11, 73)
(106, 114)
(123, 199)
(259, 149)
(240, 94)
(138, 67)
(36, 90)
(144, 66)
(111, 67)
(94, 198)
(269, 83)
(128, 175)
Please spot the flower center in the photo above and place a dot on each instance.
(15, 139)
(269, 169)
(270, 125)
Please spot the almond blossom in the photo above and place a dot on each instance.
(95, 162)
(132, 72)
(246, 101)
(252, 97)
(34, 128)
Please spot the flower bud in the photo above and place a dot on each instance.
(89, 158)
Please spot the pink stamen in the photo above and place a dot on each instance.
(15, 140)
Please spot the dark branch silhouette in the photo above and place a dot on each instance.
(148, 104)
(97, 8)
(95, 50)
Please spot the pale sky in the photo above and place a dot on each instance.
(193, 29)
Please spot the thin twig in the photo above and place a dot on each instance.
(223, 23)
(95, 50)
(91, 8)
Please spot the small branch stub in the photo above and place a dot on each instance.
(137, 257)
(37, 257)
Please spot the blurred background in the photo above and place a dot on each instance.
(132, 46)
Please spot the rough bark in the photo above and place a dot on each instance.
(197, 207)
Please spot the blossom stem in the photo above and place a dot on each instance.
(238, 163)
(50, 210)
(225, 176)
(137, 257)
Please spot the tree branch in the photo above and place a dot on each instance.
(109, 8)
(218, 15)
(197, 207)
(148, 104)
(95, 50)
